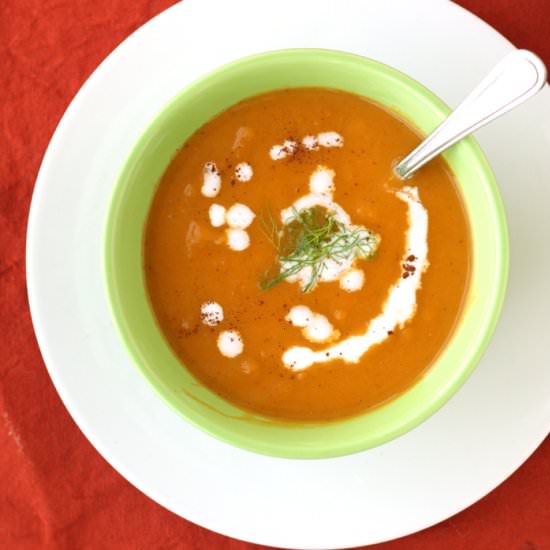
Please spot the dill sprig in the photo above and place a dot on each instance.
(311, 239)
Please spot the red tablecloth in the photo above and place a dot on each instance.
(56, 491)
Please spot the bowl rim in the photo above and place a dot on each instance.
(469, 362)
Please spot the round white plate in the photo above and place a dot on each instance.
(470, 446)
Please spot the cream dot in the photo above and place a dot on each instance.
(352, 280)
(319, 329)
(230, 343)
(239, 216)
(311, 143)
(216, 212)
(330, 139)
(211, 180)
(278, 152)
(243, 171)
(300, 316)
(211, 313)
(321, 181)
(237, 239)
(290, 146)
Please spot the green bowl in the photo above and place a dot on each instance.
(132, 197)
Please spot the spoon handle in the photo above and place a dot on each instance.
(519, 76)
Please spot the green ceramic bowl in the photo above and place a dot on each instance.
(136, 186)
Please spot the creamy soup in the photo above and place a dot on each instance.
(290, 271)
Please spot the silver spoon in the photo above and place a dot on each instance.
(519, 76)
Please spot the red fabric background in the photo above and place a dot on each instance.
(56, 491)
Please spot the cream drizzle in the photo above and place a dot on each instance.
(400, 306)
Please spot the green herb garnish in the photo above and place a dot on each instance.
(311, 239)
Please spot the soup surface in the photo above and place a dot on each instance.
(287, 267)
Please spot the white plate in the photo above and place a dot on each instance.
(470, 446)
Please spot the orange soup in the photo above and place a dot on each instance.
(290, 271)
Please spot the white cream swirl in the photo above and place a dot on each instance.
(400, 305)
